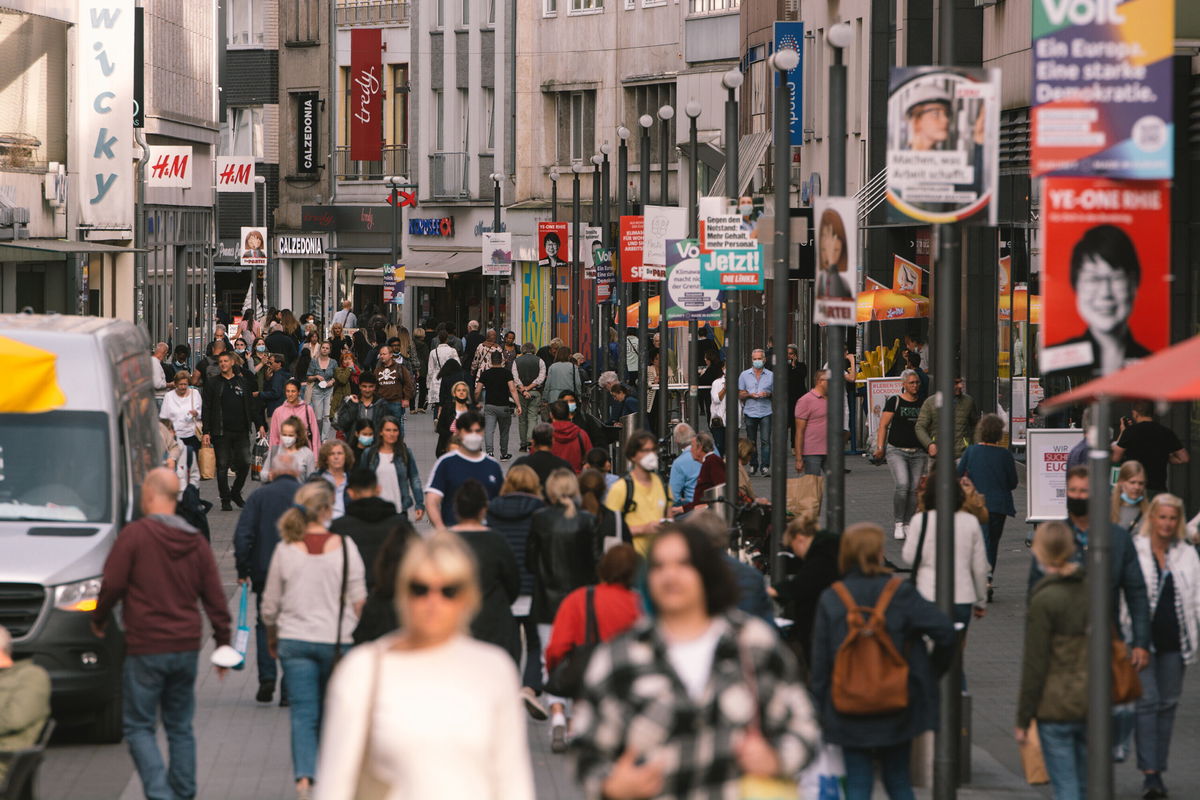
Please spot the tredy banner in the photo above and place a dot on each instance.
(1102, 88)
(366, 94)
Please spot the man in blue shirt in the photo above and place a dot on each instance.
(456, 468)
(754, 390)
(684, 470)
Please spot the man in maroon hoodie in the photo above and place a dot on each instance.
(159, 566)
(570, 442)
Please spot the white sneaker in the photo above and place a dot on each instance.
(900, 533)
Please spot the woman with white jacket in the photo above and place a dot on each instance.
(1171, 569)
(182, 407)
(438, 357)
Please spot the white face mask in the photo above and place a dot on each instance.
(746, 210)
(649, 462)
(473, 442)
(287, 441)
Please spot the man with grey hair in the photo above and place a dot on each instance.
(159, 367)
(24, 700)
(685, 469)
(811, 413)
(755, 387)
(529, 373)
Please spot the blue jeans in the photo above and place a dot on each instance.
(1162, 683)
(814, 465)
(894, 763)
(1064, 749)
(757, 427)
(907, 468)
(306, 670)
(396, 410)
(532, 675)
(165, 681)
(267, 671)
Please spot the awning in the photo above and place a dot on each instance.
(59, 247)
(1171, 375)
(373, 276)
(448, 261)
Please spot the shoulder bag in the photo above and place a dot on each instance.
(566, 680)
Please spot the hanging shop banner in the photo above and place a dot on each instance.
(943, 144)
(497, 254)
(878, 392)
(103, 100)
(632, 239)
(589, 243)
(235, 173)
(307, 141)
(662, 223)
(1107, 256)
(906, 276)
(1046, 454)
(551, 238)
(169, 166)
(835, 296)
(686, 298)
(605, 278)
(254, 247)
(790, 36)
(1102, 88)
(366, 94)
(732, 269)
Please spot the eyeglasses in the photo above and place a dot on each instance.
(448, 591)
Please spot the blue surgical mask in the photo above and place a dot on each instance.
(571, 407)
(365, 441)
(262, 348)
(1130, 501)
(758, 363)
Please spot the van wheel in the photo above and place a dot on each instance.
(107, 727)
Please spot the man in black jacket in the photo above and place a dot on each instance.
(368, 520)
(364, 405)
(279, 341)
(253, 544)
(229, 420)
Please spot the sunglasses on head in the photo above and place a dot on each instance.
(449, 591)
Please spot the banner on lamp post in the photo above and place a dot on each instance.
(686, 299)
(497, 254)
(605, 277)
(366, 94)
(632, 230)
(732, 269)
(662, 223)
(254, 247)
(790, 36)
(835, 299)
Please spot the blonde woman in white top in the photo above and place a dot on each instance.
(395, 709)
(182, 407)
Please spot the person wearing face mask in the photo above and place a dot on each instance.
(498, 390)
(1129, 501)
(396, 470)
(362, 406)
(182, 408)
(293, 406)
(640, 498)
(361, 437)
(293, 440)
(256, 361)
(755, 386)
(455, 468)
(229, 417)
(457, 403)
(180, 360)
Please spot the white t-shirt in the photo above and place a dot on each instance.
(717, 407)
(692, 660)
(389, 485)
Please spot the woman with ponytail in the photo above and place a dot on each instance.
(315, 592)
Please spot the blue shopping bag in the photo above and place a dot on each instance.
(241, 637)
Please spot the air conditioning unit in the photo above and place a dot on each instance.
(54, 185)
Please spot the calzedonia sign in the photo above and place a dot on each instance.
(307, 140)
(300, 245)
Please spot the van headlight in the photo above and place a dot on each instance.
(78, 596)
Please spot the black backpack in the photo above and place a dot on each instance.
(192, 508)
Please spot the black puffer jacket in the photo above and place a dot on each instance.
(560, 556)
(512, 515)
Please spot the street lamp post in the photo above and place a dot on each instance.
(840, 37)
(576, 169)
(606, 241)
(394, 183)
(731, 80)
(259, 180)
(622, 210)
(665, 114)
(597, 221)
(783, 61)
(692, 109)
(643, 288)
(553, 269)
(497, 177)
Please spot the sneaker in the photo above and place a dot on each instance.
(752, 471)
(1120, 753)
(1152, 786)
(766, 472)
(266, 691)
(226, 505)
(505, 456)
(238, 500)
(899, 532)
(558, 739)
(533, 705)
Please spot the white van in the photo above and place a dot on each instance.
(68, 482)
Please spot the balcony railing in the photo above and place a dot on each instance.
(371, 12)
(394, 162)
(448, 176)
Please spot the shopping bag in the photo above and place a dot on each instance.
(261, 448)
(823, 779)
(1031, 758)
(241, 637)
(804, 495)
(207, 459)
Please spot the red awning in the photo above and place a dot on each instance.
(1170, 375)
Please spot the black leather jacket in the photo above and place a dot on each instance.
(560, 556)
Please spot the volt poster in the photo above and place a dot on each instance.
(686, 298)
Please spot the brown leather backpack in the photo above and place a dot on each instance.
(869, 674)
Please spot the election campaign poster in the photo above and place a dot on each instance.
(497, 253)
(686, 299)
(632, 239)
(732, 269)
(878, 391)
(254, 247)
(662, 223)
(836, 292)
(1102, 88)
(1106, 274)
(552, 237)
(605, 279)
(1046, 453)
(589, 243)
(943, 144)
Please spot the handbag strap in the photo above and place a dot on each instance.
(592, 628)
(920, 546)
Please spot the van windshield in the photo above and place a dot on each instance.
(55, 466)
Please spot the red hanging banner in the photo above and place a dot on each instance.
(366, 94)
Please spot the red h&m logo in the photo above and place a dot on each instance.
(169, 166)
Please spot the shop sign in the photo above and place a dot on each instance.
(169, 167)
(431, 226)
(790, 36)
(306, 132)
(366, 94)
(235, 173)
(346, 219)
(299, 245)
(1103, 88)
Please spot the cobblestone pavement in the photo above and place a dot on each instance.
(243, 746)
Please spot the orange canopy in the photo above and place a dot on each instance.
(886, 304)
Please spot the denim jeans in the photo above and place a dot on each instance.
(267, 671)
(907, 468)
(493, 417)
(232, 451)
(531, 676)
(395, 409)
(1162, 683)
(530, 409)
(757, 427)
(306, 670)
(995, 529)
(544, 634)
(320, 404)
(894, 764)
(1064, 749)
(166, 682)
(814, 465)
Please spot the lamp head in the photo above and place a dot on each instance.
(732, 79)
(840, 36)
(577, 167)
(597, 160)
(259, 179)
(554, 174)
(692, 109)
(785, 59)
(646, 121)
(665, 113)
(606, 148)
(622, 133)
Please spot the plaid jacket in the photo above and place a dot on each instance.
(633, 698)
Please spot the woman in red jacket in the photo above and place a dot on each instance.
(617, 605)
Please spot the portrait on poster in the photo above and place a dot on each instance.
(254, 247)
(835, 297)
(552, 236)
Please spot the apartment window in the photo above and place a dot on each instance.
(464, 127)
(653, 3)
(244, 22)
(241, 133)
(712, 6)
(439, 120)
(648, 99)
(576, 123)
(301, 23)
(489, 119)
(587, 5)
(630, 5)
(491, 12)
(549, 7)
(466, 13)
(439, 19)
(397, 97)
